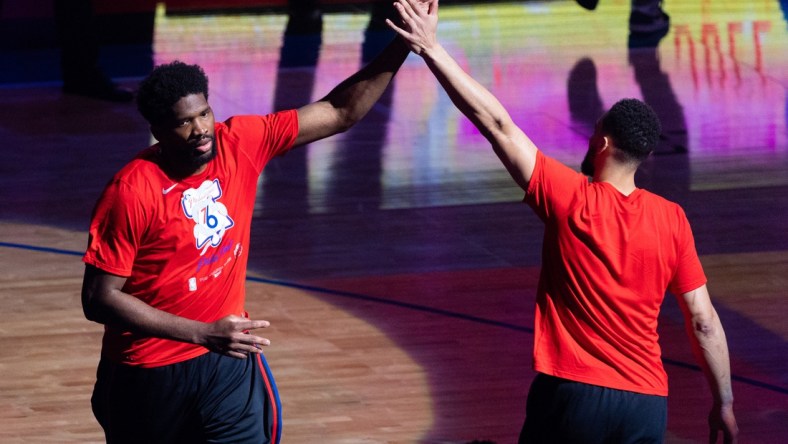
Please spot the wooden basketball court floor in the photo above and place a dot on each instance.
(396, 262)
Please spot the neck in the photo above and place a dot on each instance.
(176, 168)
(622, 179)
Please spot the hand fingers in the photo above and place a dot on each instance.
(406, 35)
(411, 20)
(248, 340)
(253, 341)
(403, 13)
(245, 345)
(248, 324)
(422, 7)
(237, 355)
(406, 8)
(409, 11)
(397, 29)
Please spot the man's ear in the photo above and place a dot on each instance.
(606, 143)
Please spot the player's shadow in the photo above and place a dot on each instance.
(347, 185)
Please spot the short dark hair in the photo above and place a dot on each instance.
(165, 86)
(634, 128)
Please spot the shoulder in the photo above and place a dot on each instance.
(275, 129)
(552, 176)
(142, 165)
(250, 122)
(546, 165)
(667, 206)
(555, 189)
(141, 175)
(668, 214)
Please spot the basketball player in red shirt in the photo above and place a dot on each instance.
(167, 255)
(611, 250)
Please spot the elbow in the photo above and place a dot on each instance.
(340, 117)
(100, 294)
(92, 307)
(344, 125)
(499, 124)
(705, 327)
(346, 120)
(91, 317)
(494, 129)
(89, 310)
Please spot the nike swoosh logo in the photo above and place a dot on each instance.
(167, 190)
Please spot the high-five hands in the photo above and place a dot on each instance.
(419, 23)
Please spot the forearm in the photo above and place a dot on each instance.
(511, 145)
(349, 101)
(709, 345)
(515, 150)
(711, 350)
(480, 106)
(355, 96)
(121, 310)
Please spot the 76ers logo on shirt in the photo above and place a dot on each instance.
(209, 215)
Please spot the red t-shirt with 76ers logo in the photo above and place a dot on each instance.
(183, 244)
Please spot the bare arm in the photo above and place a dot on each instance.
(711, 350)
(510, 144)
(105, 303)
(349, 101)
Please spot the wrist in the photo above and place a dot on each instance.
(432, 52)
(198, 333)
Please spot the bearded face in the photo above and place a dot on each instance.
(187, 144)
(595, 142)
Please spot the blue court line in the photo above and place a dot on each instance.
(476, 319)
(422, 308)
(742, 379)
(416, 307)
(41, 249)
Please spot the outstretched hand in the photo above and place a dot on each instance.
(419, 23)
(230, 336)
(721, 419)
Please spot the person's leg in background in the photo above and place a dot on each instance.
(648, 23)
(79, 45)
(588, 4)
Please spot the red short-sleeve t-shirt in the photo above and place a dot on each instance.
(183, 244)
(607, 260)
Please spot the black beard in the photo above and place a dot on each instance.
(587, 167)
(200, 160)
(184, 163)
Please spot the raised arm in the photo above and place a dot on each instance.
(512, 146)
(103, 301)
(349, 101)
(711, 350)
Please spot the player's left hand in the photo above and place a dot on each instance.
(419, 23)
(722, 419)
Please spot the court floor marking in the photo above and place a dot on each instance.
(415, 307)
